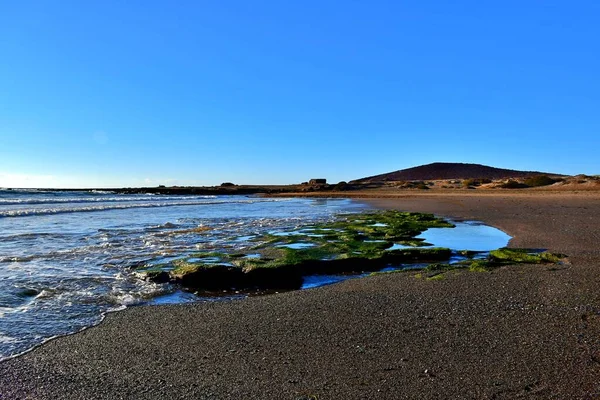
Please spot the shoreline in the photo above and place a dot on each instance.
(409, 193)
(342, 189)
(522, 330)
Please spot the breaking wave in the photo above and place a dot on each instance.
(24, 212)
(48, 200)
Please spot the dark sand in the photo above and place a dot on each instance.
(517, 332)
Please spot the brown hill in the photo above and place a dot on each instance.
(441, 170)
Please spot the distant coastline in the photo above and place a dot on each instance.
(363, 189)
(436, 176)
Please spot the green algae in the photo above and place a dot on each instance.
(529, 256)
(496, 258)
(209, 255)
(182, 267)
(439, 267)
(353, 243)
(479, 266)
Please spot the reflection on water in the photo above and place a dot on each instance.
(298, 246)
(471, 235)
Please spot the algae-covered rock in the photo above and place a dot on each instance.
(157, 276)
(207, 276)
(528, 256)
(353, 243)
(419, 254)
(498, 258)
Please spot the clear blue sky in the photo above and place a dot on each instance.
(131, 93)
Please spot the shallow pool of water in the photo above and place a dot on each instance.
(468, 235)
(297, 246)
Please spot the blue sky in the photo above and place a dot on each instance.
(135, 93)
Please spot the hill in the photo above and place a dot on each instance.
(439, 170)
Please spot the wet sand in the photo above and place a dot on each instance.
(524, 331)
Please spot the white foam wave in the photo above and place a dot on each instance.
(102, 191)
(7, 339)
(17, 190)
(75, 200)
(126, 299)
(48, 211)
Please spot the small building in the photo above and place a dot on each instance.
(317, 182)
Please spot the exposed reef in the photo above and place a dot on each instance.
(495, 258)
(354, 243)
(351, 244)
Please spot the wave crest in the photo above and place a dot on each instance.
(64, 210)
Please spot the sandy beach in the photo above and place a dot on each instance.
(526, 331)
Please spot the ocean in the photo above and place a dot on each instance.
(68, 258)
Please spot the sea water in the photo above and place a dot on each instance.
(67, 258)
